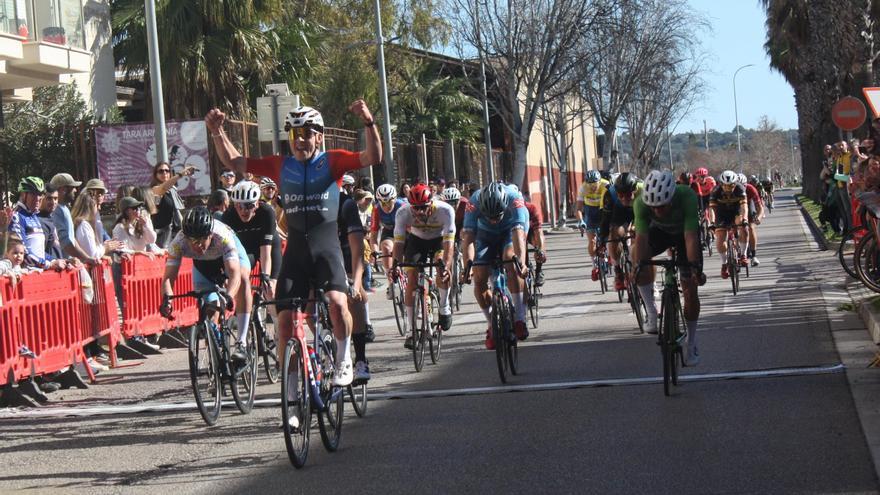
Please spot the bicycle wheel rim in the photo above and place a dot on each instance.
(436, 341)
(244, 384)
(418, 341)
(866, 263)
(358, 396)
(499, 331)
(295, 402)
(399, 313)
(204, 372)
(330, 418)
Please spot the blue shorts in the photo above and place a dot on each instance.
(592, 216)
(489, 246)
(202, 281)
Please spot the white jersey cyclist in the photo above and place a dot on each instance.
(440, 223)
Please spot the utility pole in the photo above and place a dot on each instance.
(487, 134)
(156, 83)
(736, 116)
(388, 148)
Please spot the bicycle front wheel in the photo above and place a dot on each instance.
(244, 379)
(266, 346)
(399, 313)
(666, 339)
(330, 417)
(534, 298)
(296, 405)
(436, 337)
(357, 392)
(637, 305)
(846, 250)
(603, 282)
(732, 267)
(500, 331)
(204, 371)
(867, 264)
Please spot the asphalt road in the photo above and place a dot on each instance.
(731, 431)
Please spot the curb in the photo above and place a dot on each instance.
(824, 243)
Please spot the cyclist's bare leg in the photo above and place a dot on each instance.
(409, 296)
(482, 293)
(743, 236)
(387, 246)
(340, 317)
(721, 243)
(645, 283)
(591, 243)
(753, 237)
(243, 304)
(614, 241)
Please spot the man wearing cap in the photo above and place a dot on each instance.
(66, 187)
(27, 225)
(227, 181)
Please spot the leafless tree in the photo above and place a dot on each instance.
(529, 50)
(564, 117)
(767, 149)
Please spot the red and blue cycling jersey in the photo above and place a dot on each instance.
(383, 218)
(516, 216)
(309, 191)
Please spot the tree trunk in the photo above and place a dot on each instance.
(610, 131)
(562, 192)
(520, 148)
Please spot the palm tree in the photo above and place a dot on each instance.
(210, 51)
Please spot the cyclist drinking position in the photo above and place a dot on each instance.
(216, 252)
(496, 223)
(589, 205)
(665, 216)
(310, 182)
(424, 231)
(728, 200)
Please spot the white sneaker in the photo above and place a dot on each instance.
(693, 355)
(651, 326)
(344, 375)
(96, 365)
(294, 424)
(81, 369)
(755, 261)
(361, 371)
(388, 294)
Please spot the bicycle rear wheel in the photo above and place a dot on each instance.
(295, 403)
(397, 304)
(637, 305)
(204, 371)
(500, 331)
(244, 380)
(266, 348)
(419, 331)
(603, 282)
(846, 250)
(867, 264)
(357, 392)
(330, 417)
(533, 300)
(436, 338)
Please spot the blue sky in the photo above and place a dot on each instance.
(736, 38)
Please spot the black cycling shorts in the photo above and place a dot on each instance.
(660, 240)
(621, 216)
(316, 258)
(725, 218)
(386, 234)
(418, 250)
(276, 257)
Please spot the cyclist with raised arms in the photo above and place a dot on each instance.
(310, 182)
(254, 224)
(382, 226)
(703, 185)
(424, 231)
(665, 216)
(756, 214)
(216, 251)
(617, 215)
(588, 212)
(535, 237)
(728, 200)
(496, 223)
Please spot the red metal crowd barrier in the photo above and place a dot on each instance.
(10, 332)
(99, 317)
(142, 287)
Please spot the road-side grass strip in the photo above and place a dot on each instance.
(813, 209)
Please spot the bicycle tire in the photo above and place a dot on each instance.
(457, 288)
(204, 371)
(637, 306)
(295, 402)
(847, 249)
(244, 382)
(331, 416)
(662, 342)
(418, 331)
(534, 297)
(266, 348)
(603, 282)
(397, 304)
(357, 392)
(436, 341)
(732, 266)
(499, 334)
(512, 347)
(866, 263)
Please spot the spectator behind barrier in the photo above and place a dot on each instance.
(269, 191)
(96, 188)
(48, 205)
(12, 265)
(85, 214)
(227, 180)
(61, 217)
(218, 203)
(168, 216)
(403, 190)
(133, 229)
(5, 215)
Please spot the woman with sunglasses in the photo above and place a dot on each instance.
(133, 229)
(164, 185)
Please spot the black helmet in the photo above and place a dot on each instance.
(753, 180)
(32, 185)
(198, 223)
(493, 200)
(626, 182)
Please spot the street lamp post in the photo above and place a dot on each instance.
(388, 149)
(736, 116)
(156, 83)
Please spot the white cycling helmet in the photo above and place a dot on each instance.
(451, 194)
(386, 192)
(245, 192)
(659, 188)
(728, 177)
(742, 179)
(347, 180)
(302, 117)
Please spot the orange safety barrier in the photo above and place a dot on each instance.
(186, 310)
(100, 318)
(49, 308)
(10, 332)
(142, 295)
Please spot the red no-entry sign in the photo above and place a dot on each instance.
(848, 113)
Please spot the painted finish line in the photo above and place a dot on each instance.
(57, 412)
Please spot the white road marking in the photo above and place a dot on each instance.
(54, 412)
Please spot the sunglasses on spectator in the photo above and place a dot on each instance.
(246, 206)
(163, 171)
(300, 132)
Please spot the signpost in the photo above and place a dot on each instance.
(872, 96)
(848, 113)
(270, 114)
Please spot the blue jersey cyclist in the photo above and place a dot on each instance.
(382, 226)
(309, 183)
(25, 223)
(496, 222)
(588, 212)
(216, 253)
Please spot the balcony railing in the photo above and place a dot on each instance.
(59, 22)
